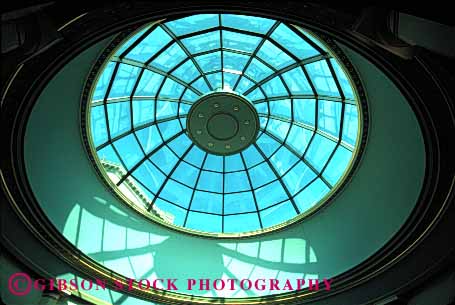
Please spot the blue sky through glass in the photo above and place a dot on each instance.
(307, 107)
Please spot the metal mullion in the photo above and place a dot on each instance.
(138, 98)
(245, 32)
(194, 190)
(169, 176)
(242, 213)
(220, 28)
(319, 175)
(182, 46)
(273, 205)
(284, 70)
(258, 47)
(309, 80)
(240, 52)
(207, 52)
(142, 184)
(306, 126)
(180, 182)
(183, 92)
(156, 70)
(197, 33)
(156, 105)
(292, 108)
(139, 40)
(330, 98)
(335, 78)
(222, 49)
(299, 156)
(178, 66)
(284, 50)
(339, 139)
(222, 197)
(222, 59)
(137, 128)
(285, 188)
(268, 108)
(326, 164)
(108, 91)
(150, 154)
(121, 161)
(266, 64)
(307, 40)
(159, 52)
(309, 183)
(283, 97)
(269, 113)
(178, 107)
(172, 203)
(136, 83)
(252, 190)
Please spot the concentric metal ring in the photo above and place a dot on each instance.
(223, 123)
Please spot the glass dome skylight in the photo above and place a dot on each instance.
(280, 123)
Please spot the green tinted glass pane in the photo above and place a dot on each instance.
(187, 72)
(209, 62)
(98, 125)
(322, 78)
(203, 42)
(239, 203)
(124, 81)
(247, 23)
(150, 176)
(270, 194)
(337, 165)
(307, 198)
(293, 42)
(193, 23)
(319, 151)
(343, 80)
(329, 117)
(129, 150)
(274, 55)
(119, 118)
(277, 214)
(241, 42)
(143, 112)
(169, 58)
(350, 124)
(149, 46)
(131, 40)
(207, 202)
(103, 82)
(149, 138)
(241, 223)
(297, 82)
(205, 222)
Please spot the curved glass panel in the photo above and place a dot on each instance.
(308, 122)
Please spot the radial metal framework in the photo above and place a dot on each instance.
(309, 121)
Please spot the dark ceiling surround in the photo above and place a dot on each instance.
(422, 246)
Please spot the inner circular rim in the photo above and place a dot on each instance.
(214, 123)
(205, 130)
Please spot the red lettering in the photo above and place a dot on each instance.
(171, 284)
(274, 284)
(61, 284)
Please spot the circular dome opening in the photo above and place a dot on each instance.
(222, 124)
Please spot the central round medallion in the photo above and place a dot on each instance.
(222, 126)
(223, 123)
